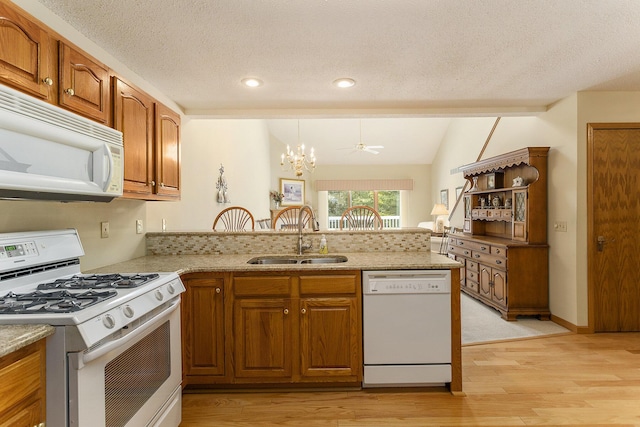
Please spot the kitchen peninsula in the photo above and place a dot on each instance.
(221, 284)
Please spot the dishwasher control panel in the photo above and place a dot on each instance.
(406, 282)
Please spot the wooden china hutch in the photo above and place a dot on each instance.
(503, 246)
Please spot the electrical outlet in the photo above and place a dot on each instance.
(104, 229)
(560, 226)
(139, 226)
(164, 224)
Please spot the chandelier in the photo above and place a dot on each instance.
(297, 161)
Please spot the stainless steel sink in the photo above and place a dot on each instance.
(324, 260)
(298, 260)
(272, 260)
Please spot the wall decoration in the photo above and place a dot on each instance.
(293, 190)
(444, 198)
(221, 186)
(458, 192)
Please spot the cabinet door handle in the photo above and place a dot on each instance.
(48, 81)
(69, 92)
(153, 183)
(218, 290)
(286, 311)
(303, 311)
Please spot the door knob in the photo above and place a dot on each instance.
(602, 241)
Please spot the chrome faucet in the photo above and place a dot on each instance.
(314, 224)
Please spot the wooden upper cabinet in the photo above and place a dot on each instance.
(167, 152)
(133, 115)
(84, 84)
(26, 54)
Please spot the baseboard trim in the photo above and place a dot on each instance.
(570, 326)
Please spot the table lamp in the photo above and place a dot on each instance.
(439, 211)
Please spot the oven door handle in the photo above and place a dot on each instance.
(82, 359)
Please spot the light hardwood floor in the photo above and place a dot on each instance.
(560, 380)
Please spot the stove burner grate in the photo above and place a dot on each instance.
(100, 281)
(56, 301)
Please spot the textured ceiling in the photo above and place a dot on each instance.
(410, 58)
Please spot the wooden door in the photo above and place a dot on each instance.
(613, 226)
(263, 338)
(84, 84)
(329, 339)
(485, 282)
(133, 115)
(167, 152)
(499, 294)
(203, 327)
(26, 55)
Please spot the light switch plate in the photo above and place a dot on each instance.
(560, 226)
(139, 227)
(104, 229)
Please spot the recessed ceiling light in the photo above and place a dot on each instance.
(252, 82)
(344, 83)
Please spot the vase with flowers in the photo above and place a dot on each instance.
(277, 197)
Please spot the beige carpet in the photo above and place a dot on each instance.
(483, 324)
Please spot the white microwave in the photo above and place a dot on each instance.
(49, 153)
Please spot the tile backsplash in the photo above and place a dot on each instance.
(279, 242)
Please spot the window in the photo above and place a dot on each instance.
(386, 202)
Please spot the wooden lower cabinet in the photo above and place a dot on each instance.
(203, 329)
(306, 329)
(22, 386)
(287, 329)
(510, 276)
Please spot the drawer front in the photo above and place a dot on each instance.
(493, 261)
(474, 246)
(472, 265)
(262, 285)
(472, 275)
(335, 284)
(460, 251)
(499, 251)
(471, 285)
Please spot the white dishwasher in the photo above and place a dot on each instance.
(406, 328)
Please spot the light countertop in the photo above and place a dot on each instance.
(14, 337)
(221, 263)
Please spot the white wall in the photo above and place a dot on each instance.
(123, 243)
(557, 129)
(242, 146)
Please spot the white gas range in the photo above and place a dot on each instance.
(114, 359)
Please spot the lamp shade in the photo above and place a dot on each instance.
(439, 209)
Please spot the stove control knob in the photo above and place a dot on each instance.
(128, 311)
(109, 321)
(159, 295)
(171, 288)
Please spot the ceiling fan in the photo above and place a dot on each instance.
(360, 146)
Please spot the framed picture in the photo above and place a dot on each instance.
(444, 198)
(293, 190)
(458, 192)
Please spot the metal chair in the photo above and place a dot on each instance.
(235, 218)
(361, 218)
(287, 219)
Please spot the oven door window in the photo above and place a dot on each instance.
(132, 378)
